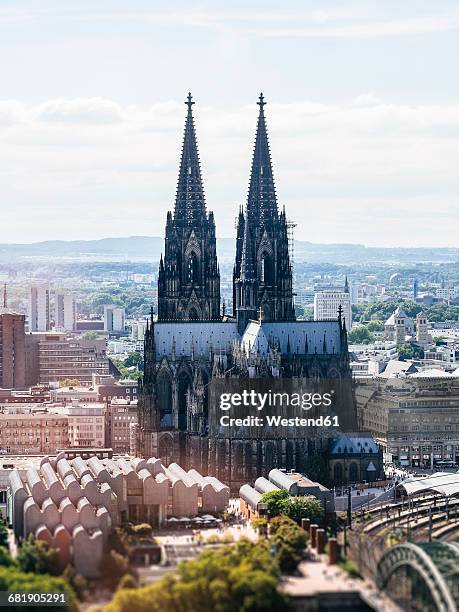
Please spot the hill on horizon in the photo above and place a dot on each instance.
(150, 247)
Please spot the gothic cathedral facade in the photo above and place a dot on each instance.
(193, 341)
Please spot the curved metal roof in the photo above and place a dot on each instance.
(263, 485)
(250, 495)
(281, 479)
(444, 483)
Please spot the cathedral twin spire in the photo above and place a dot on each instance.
(190, 205)
(189, 279)
(262, 201)
(262, 276)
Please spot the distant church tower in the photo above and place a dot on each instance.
(189, 277)
(423, 337)
(262, 276)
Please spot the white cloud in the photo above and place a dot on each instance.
(365, 29)
(367, 99)
(354, 20)
(112, 169)
(80, 110)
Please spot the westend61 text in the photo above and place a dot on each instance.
(278, 421)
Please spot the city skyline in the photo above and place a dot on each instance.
(91, 122)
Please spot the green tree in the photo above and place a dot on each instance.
(410, 351)
(375, 326)
(288, 558)
(304, 506)
(277, 522)
(242, 577)
(38, 557)
(260, 525)
(134, 359)
(90, 335)
(125, 372)
(3, 533)
(275, 501)
(13, 579)
(6, 559)
(142, 530)
(294, 507)
(360, 335)
(78, 582)
(382, 310)
(128, 581)
(120, 541)
(304, 313)
(289, 542)
(113, 567)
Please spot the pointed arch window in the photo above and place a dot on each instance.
(266, 268)
(184, 384)
(164, 395)
(193, 268)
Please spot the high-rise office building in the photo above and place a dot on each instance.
(65, 312)
(12, 350)
(39, 308)
(327, 303)
(113, 319)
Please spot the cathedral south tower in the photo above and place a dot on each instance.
(262, 277)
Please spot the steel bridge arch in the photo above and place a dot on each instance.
(428, 566)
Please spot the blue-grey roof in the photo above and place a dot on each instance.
(354, 445)
(295, 333)
(202, 335)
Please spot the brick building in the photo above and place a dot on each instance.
(28, 431)
(119, 415)
(12, 349)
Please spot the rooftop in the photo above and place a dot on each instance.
(445, 483)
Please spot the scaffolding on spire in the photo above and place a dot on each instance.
(291, 241)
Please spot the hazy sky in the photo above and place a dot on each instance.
(363, 115)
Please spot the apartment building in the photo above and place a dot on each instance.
(86, 423)
(32, 430)
(120, 414)
(61, 358)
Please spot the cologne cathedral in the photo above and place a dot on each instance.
(193, 341)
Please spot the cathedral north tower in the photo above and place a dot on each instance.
(189, 277)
